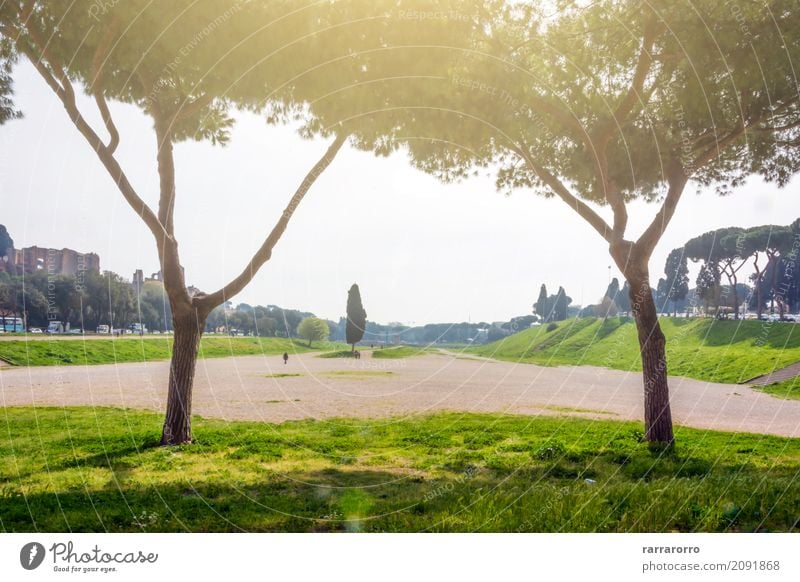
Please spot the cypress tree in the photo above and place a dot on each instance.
(356, 317)
(541, 304)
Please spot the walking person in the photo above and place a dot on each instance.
(285, 358)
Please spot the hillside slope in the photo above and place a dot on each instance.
(706, 349)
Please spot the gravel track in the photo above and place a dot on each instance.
(241, 388)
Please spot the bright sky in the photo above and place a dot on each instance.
(420, 251)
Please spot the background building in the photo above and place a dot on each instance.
(55, 261)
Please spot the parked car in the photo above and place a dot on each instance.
(137, 328)
(104, 329)
(55, 327)
(35, 330)
(75, 331)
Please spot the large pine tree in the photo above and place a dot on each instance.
(677, 272)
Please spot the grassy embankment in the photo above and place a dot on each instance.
(706, 349)
(395, 352)
(84, 469)
(788, 389)
(42, 352)
(400, 352)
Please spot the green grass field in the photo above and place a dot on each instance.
(348, 353)
(400, 352)
(387, 353)
(706, 349)
(84, 469)
(110, 351)
(788, 389)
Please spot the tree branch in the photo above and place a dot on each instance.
(599, 142)
(58, 71)
(166, 171)
(96, 88)
(105, 113)
(583, 210)
(563, 116)
(612, 194)
(66, 94)
(677, 180)
(780, 128)
(718, 148)
(187, 110)
(265, 252)
(635, 91)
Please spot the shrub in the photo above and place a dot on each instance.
(549, 450)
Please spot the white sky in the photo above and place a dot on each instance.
(420, 251)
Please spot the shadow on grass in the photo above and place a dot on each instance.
(481, 492)
(610, 325)
(758, 334)
(101, 470)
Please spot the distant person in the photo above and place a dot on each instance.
(285, 358)
(357, 355)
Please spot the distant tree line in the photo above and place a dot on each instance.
(258, 320)
(84, 301)
(90, 299)
(767, 257)
(395, 333)
(758, 267)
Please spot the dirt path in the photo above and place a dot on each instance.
(779, 375)
(248, 388)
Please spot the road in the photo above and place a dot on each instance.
(247, 388)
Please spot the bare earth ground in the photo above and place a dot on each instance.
(241, 388)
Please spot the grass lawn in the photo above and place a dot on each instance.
(400, 352)
(706, 349)
(348, 353)
(788, 389)
(84, 469)
(111, 351)
(385, 353)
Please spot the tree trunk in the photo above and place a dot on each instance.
(759, 310)
(652, 345)
(178, 421)
(774, 260)
(776, 297)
